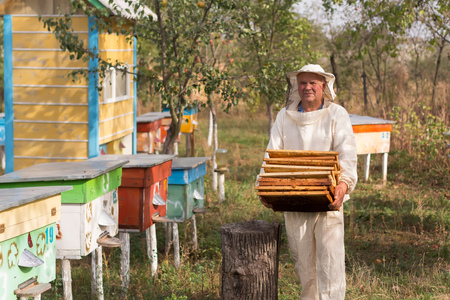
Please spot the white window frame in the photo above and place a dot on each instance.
(112, 86)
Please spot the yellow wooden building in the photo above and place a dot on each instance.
(48, 117)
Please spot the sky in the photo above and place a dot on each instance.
(314, 11)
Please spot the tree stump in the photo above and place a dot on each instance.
(250, 253)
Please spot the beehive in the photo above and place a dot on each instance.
(186, 187)
(28, 236)
(149, 136)
(143, 191)
(88, 210)
(297, 180)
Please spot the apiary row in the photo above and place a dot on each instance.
(66, 210)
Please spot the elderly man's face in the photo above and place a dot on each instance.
(310, 88)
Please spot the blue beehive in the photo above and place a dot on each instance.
(186, 187)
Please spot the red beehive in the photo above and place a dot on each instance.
(149, 131)
(143, 191)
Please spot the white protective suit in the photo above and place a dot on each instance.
(316, 240)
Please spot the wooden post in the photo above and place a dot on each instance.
(188, 144)
(176, 245)
(66, 279)
(152, 251)
(250, 252)
(192, 142)
(221, 187)
(97, 273)
(366, 166)
(221, 173)
(194, 233)
(168, 238)
(125, 261)
(384, 166)
(175, 148)
(2, 156)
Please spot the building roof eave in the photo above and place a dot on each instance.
(123, 8)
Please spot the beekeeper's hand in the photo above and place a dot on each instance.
(339, 193)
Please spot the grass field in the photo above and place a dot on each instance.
(397, 236)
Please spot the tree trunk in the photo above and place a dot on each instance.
(335, 72)
(215, 144)
(438, 63)
(172, 135)
(250, 260)
(416, 74)
(270, 116)
(210, 128)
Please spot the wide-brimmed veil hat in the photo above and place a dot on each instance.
(291, 77)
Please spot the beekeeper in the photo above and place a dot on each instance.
(311, 121)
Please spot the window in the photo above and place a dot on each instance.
(116, 85)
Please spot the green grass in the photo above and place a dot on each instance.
(397, 236)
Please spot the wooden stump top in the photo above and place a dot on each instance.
(250, 227)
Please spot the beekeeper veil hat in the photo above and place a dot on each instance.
(293, 96)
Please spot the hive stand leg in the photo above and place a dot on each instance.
(366, 166)
(221, 187)
(97, 274)
(66, 279)
(192, 142)
(176, 245)
(194, 233)
(125, 261)
(384, 166)
(188, 144)
(175, 148)
(152, 251)
(168, 238)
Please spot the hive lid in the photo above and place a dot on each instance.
(366, 120)
(137, 160)
(87, 169)
(188, 162)
(152, 117)
(10, 198)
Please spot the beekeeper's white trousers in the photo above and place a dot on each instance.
(316, 241)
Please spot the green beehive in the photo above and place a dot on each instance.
(28, 219)
(88, 210)
(186, 187)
